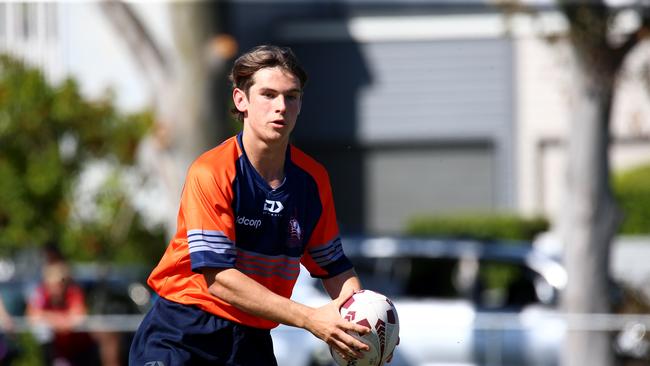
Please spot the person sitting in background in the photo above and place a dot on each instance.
(6, 322)
(6, 327)
(58, 306)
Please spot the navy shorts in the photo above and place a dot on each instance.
(173, 334)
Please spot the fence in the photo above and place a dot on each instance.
(494, 336)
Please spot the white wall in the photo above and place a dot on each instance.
(544, 81)
(75, 39)
(543, 108)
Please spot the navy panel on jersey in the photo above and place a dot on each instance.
(274, 221)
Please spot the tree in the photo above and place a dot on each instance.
(632, 192)
(49, 136)
(591, 216)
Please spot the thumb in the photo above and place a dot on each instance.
(345, 294)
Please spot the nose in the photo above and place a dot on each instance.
(280, 104)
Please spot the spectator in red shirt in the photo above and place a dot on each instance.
(7, 352)
(57, 307)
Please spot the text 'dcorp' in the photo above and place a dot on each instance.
(243, 220)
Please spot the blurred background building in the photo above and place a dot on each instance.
(414, 106)
(438, 106)
(75, 39)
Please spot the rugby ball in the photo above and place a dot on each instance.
(375, 311)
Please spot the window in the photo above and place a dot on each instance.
(3, 21)
(26, 21)
(51, 26)
(489, 284)
(23, 21)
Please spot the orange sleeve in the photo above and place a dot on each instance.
(209, 218)
(324, 256)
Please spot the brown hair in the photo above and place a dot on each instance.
(260, 57)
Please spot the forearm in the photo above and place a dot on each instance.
(325, 322)
(57, 320)
(344, 283)
(6, 322)
(250, 296)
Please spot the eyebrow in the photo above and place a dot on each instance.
(294, 90)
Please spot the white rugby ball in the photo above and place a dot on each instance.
(375, 311)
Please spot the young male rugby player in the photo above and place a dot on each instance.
(252, 210)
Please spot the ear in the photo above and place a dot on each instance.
(240, 99)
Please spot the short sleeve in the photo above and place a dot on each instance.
(75, 297)
(37, 299)
(324, 257)
(206, 209)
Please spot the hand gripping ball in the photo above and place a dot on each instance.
(375, 311)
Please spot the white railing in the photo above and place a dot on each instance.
(482, 321)
(93, 323)
(490, 330)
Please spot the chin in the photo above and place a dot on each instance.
(276, 137)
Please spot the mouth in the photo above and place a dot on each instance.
(279, 122)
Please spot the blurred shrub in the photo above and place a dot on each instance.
(478, 226)
(29, 351)
(49, 136)
(632, 191)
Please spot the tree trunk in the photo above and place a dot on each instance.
(199, 116)
(189, 110)
(590, 218)
(590, 221)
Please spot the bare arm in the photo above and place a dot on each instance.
(6, 322)
(59, 320)
(325, 322)
(342, 285)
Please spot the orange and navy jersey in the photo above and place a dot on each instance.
(230, 217)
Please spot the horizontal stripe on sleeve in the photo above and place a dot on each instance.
(210, 248)
(328, 253)
(208, 259)
(209, 236)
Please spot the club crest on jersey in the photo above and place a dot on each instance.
(295, 233)
(273, 207)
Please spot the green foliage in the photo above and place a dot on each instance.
(30, 353)
(478, 226)
(632, 191)
(48, 136)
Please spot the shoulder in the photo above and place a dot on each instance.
(74, 290)
(38, 297)
(309, 165)
(218, 162)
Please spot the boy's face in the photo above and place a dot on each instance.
(272, 104)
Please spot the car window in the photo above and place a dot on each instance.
(407, 277)
(505, 285)
(488, 284)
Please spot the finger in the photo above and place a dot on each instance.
(343, 297)
(354, 327)
(346, 351)
(355, 343)
(341, 354)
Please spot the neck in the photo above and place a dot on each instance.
(267, 159)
